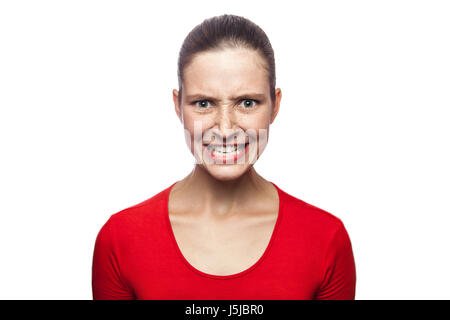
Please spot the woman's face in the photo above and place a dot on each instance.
(226, 110)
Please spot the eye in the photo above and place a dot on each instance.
(201, 103)
(249, 103)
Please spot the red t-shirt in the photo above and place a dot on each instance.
(309, 256)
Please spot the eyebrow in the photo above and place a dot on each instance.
(200, 96)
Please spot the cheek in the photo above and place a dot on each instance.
(195, 127)
(194, 123)
(257, 127)
(256, 121)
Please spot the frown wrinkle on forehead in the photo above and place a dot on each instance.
(226, 74)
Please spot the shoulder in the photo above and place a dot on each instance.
(315, 235)
(308, 218)
(146, 214)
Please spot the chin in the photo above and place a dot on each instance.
(226, 172)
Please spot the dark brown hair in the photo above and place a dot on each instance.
(226, 31)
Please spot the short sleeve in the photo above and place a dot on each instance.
(339, 273)
(106, 279)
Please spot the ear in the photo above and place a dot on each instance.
(177, 105)
(276, 105)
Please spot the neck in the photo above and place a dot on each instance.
(224, 197)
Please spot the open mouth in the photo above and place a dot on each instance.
(226, 152)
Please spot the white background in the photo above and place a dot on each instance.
(88, 128)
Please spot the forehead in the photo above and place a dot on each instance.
(226, 72)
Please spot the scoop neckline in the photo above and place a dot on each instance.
(229, 276)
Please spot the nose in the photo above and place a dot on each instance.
(225, 128)
(225, 119)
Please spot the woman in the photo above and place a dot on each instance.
(224, 232)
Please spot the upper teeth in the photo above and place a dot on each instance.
(225, 149)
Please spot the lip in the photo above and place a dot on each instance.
(224, 144)
(233, 157)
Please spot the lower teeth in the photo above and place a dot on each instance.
(220, 153)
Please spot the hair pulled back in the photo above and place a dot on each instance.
(226, 31)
